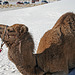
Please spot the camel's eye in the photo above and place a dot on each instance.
(11, 30)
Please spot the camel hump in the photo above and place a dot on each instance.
(65, 19)
(64, 26)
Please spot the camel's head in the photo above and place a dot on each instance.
(9, 34)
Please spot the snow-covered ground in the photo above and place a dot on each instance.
(38, 19)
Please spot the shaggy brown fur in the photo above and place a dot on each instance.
(56, 51)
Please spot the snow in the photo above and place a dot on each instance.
(38, 19)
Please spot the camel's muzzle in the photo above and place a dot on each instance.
(2, 28)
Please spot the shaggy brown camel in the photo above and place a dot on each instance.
(56, 50)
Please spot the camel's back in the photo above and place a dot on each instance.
(64, 26)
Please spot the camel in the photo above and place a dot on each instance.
(55, 53)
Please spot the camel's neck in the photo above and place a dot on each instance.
(27, 45)
(23, 50)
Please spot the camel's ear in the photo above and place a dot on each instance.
(21, 29)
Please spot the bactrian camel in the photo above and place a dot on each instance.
(55, 53)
